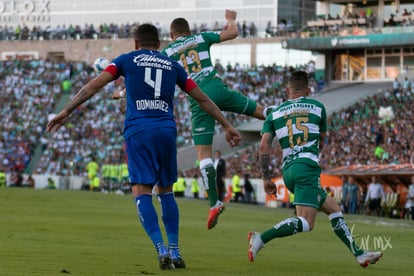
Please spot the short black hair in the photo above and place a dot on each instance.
(298, 80)
(147, 35)
(180, 26)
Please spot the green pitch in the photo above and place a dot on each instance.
(44, 232)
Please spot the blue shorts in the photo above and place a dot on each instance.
(152, 157)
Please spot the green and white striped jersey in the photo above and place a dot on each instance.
(297, 124)
(193, 53)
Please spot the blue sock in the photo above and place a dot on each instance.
(170, 217)
(149, 220)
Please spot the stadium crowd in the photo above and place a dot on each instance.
(356, 135)
(359, 22)
(105, 31)
(31, 91)
(350, 22)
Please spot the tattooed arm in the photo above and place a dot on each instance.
(85, 93)
(264, 155)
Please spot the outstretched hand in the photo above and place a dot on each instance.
(233, 137)
(118, 94)
(59, 120)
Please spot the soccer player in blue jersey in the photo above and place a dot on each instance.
(150, 132)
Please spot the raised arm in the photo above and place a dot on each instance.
(84, 94)
(230, 31)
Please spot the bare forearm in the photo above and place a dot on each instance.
(211, 108)
(264, 154)
(232, 27)
(231, 30)
(82, 96)
(87, 91)
(264, 165)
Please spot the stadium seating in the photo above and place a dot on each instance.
(86, 136)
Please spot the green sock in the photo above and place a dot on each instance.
(287, 227)
(209, 179)
(343, 232)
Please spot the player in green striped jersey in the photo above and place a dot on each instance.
(193, 53)
(300, 125)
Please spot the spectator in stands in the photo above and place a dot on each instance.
(30, 182)
(396, 85)
(371, 20)
(252, 29)
(245, 31)
(237, 187)
(85, 186)
(353, 197)
(410, 197)
(179, 186)
(95, 183)
(50, 184)
(375, 194)
(92, 168)
(16, 179)
(406, 13)
(3, 177)
(310, 69)
(269, 29)
(321, 84)
(281, 28)
(195, 188)
(249, 191)
(345, 193)
(406, 84)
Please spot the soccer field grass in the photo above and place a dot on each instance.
(46, 232)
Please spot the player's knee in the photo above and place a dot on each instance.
(330, 206)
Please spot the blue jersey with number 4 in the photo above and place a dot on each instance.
(150, 80)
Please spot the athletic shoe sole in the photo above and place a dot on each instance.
(212, 221)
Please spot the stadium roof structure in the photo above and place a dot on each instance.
(393, 174)
(358, 38)
(363, 3)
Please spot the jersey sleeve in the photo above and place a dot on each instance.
(268, 126)
(112, 69)
(211, 37)
(115, 67)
